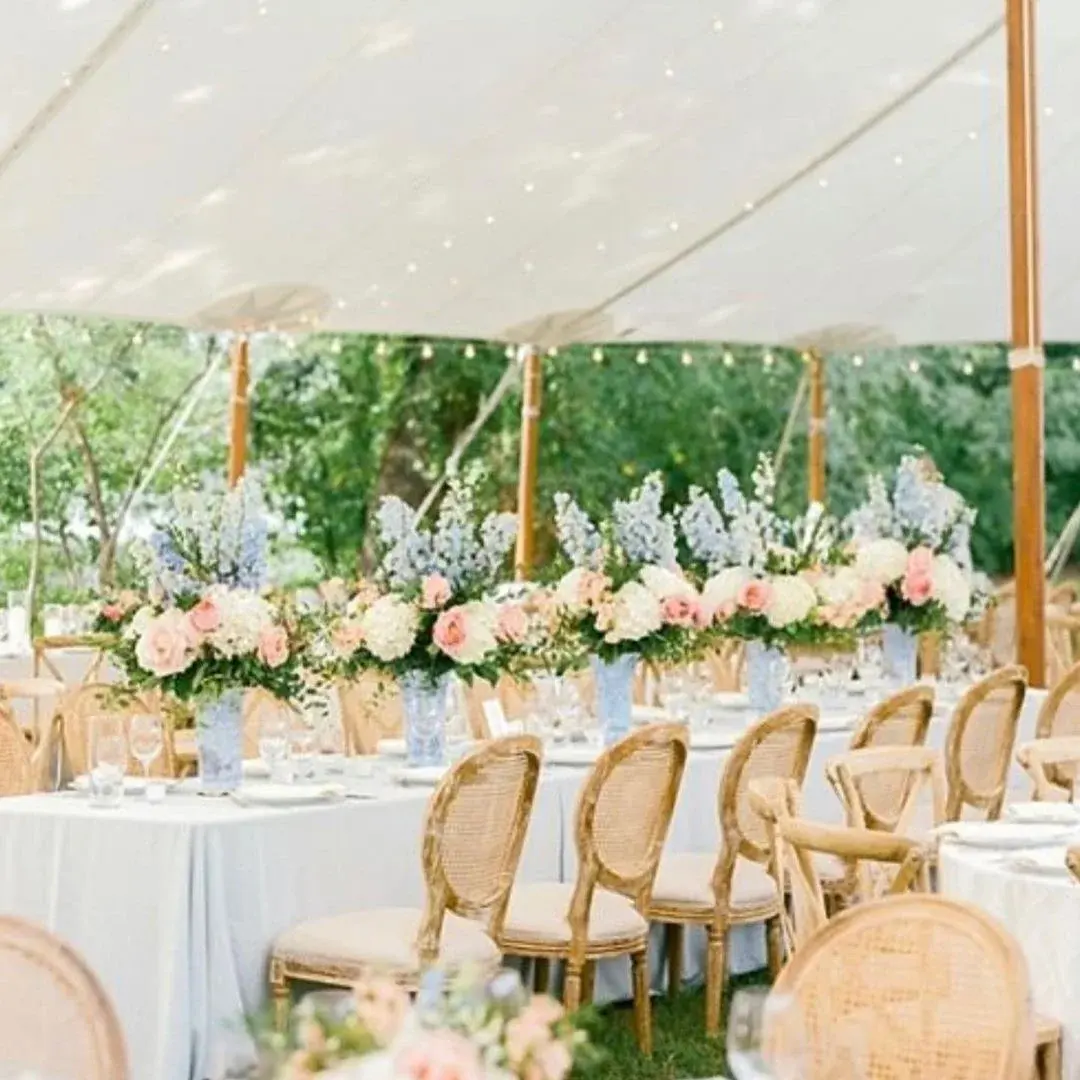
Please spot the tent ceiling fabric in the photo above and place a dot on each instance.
(469, 167)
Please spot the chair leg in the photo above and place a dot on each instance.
(279, 996)
(542, 975)
(1048, 1061)
(715, 974)
(639, 966)
(572, 987)
(588, 982)
(674, 935)
(774, 946)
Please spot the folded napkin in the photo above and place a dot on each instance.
(1043, 813)
(1040, 861)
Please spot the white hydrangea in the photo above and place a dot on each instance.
(792, 600)
(389, 627)
(664, 583)
(636, 614)
(841, 587)
(883, 561)
(951, 588)
(723, 588)
(141, 620)
(481, 618)
(244, 616)
(568, 591)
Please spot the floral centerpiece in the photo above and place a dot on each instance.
(431, 612)
(466, 1027)
(914, 542)
(772, 581)
(207, 633)
(114, 611)
(625, 598)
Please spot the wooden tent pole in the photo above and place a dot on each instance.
(1026, 356)
(816, 489)
(238, 411)
(532, 389)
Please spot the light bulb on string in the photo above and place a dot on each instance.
(856, 361)
(687, 358)
(1076, 363)
(335, 346)
(913, 367)
(381, 348)
(598, 355)
(470, 351)
(553, 352)
(968, 368)
(642, 356)
(806, 356)
(426, 350)
(729, 359)
(768, 360)
(510, 352)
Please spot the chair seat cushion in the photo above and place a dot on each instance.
(383, 939)
(686, 881)
(537, 915)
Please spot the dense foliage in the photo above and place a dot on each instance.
(339, 421)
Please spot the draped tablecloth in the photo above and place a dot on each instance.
(175, 906)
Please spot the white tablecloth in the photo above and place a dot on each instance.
(1043, 915)
(175, 906)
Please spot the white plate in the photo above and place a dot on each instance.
(649, 714)
(1004, 835)
(268, 794)
(390, 748)
(1043, 813)
(837, 722)
(579, 755)
(734, 700)
(420, 775)
(1046, 862)
(255, 769)
(714, 738)
(133, 785)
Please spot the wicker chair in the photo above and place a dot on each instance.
(17, 771)
(1045, 757)
(371, 710)
(1072, 861)
(979, 743)
(473, 835)
(73, 717)
(900, 720)
(878, 864)
(55, 1019)
(929, 987)
(732, 887)
(1060, 715)
(623, 815)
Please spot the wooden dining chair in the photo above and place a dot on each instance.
(979, 743)
(900, 720)
(732, 886)
(17, 772)
(918, 986)
(879, 864)
(1043, 758)
(1059, 715)
(472, 840)
(371, 709)
(55, 1018)
(623, 814)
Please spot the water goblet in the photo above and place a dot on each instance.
(147, 738)
(303, 740)
(108, 760)
(274, 744)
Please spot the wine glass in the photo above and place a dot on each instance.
(274, 743)
(146, 738)
(753, 1009)
(303, 742)
(108, 760)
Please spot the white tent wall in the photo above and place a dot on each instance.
(462, 168)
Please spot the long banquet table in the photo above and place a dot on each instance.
(175, 905)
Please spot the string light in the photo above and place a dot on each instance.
(411, 268)
(673, 226)
(530, 187)
(729, 360)
(527, 267)
(344, 303)
(857, 360)
(575, 155)
(263, 9)
(898, 159)
(137, 338)
(823, 182)
(598, 355)
(768, 360)
(913, 367)
(164, 45)
(601, 246)
(687, 358)
(806, 357)
(66, 81)
(642, 356)
(748, 206)
(1048, 110)
(381, 349)
(553, 351)
(510, 352)
(1076, 363)
(489, 220)
(718, 25)
(470, 351)
(448, 243)
(669, 72)
(335, 346)
(973, 135)
(968, 368)
(426, 351)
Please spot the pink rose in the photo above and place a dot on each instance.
(592, 587)
(724, 611)
(755, 596)
(112, 612)
(167, 645)
(917, 588)
(451, 631)
(205, 616)
(680, 611)
(442, 1055)
(512, 626)
(347, 637)
(920, 561)
(435, 592)
(273, 648)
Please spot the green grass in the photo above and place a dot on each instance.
(681, 1049)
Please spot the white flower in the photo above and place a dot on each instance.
(883, 561)
(389, 627)
(568, 591)
(792, 601)
(139, 623)
(244, 616)
(481, 619)
(635, 614)
(723, 589)
(664, 583)
(951, 588)
(841, 587)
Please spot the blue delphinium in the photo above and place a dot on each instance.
(641, 528)
(578, 537)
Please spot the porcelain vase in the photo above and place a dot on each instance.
(766, 676)
(901, 653)
(424, 702)
(614, 681)
(219, 736)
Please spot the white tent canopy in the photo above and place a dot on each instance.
(467, 167)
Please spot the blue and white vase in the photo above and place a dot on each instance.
(614, 681)
(900, 650)
(424, 702)
(219, 736)
(766, 676)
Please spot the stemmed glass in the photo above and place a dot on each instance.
(752, 1009)
(108, 760)
(303, 742)
(274, 743)
(146, 738)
